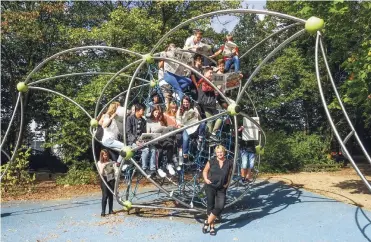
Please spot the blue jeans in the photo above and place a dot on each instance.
(111, 143)
(179, 83)
(150, 152)
(233, 60)
(247, 159)
(185, 145)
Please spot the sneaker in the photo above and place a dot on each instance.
(161, 173)
(181, 160)
(213, 137)
(178, 168)
(124, 167)
(199, 143)
(170, 169)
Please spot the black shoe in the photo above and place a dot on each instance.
(111, 212)
(212, 231)
(205, 227)
(102, 214)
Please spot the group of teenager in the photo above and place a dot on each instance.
(181, 99)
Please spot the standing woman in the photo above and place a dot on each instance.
(105, 168)
(216, 174)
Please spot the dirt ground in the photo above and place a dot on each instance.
(344, 185)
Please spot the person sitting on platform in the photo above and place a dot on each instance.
(230, 54)
(193, 41)
(174, 74)
(155, 102)
(135, 127)
(187, 115)
(170, 118)
(207, 99)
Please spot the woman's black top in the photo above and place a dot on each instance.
(219, 176)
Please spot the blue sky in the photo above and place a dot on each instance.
(229, 22)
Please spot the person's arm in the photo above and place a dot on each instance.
(107, 120)
(229, 175)
(205, 172)
(129, 131)
(178, 118)
(216, 53)
(188, 43)
(161, 64)
(235, 51)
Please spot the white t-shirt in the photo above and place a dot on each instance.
(110, 132)
(190, 43)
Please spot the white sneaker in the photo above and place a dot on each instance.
(124, 167)
(181, 160)
(170, 169)
(161, 173)
(178, 168)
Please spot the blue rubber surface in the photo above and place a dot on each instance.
(272, 212)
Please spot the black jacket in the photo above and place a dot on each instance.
(131, 129)
(206, 100)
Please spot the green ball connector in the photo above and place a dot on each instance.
(233, 109)
(314, 24)
(127, 205)
(127, 152)
(94, 123)
(22, 87)
(153, 83)
(148, 58)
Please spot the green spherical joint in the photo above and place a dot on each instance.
(94, 123)
(259, 150)
(127, 153)
(127, 205)
(148, 58)
(153, 83)
(233, 109)
(314, 24)
(22, 87)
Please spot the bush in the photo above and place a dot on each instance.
(79, 173)
(17, 178)
(294, 152)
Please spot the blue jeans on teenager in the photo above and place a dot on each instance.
(234, 60)
(179, 83)
(147, 152)
(185, 145)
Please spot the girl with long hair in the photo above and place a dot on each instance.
(106, 170)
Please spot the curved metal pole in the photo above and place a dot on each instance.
(270, 36)
(127, 98)
(197, 73)
(64, 96)
(337, 135)
(341, 103)
(111, 80)
(78, 48)
(283, 44)
(244, 11)
(253, 105)
(11, 121)
(15, 153)
(81, 74)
